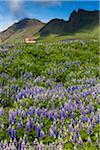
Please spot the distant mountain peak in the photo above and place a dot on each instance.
(74, 12)
(81, 10)
(78, 20)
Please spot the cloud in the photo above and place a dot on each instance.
(18, 10)
(49, 2)
(6, 22)
(16, 7)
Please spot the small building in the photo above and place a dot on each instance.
(30, 40)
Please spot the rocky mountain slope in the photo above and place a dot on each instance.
(78, 20)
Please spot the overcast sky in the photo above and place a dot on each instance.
(12, 11)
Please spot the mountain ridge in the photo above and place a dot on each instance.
(78, 20)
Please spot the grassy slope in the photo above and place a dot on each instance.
(19, 36)
(85, 34)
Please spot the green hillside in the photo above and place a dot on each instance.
(82, 25)
(84, 34)
(20, 30)
(19, 37)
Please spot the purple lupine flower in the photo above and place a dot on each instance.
(9, 130)
(1, 90)
(56, 133)
(65, 107)
(74, 138)
(50, 115)
(88, 99)
(18, 97)
(28, 126)
(21, 123)
(55, 115)
(72, 115)
(86, 93)
(13, 133)
(31, 111)
(20, 144)
(50, 132)
(10, 118)
(20, 111)
(38, 131)
(1, 111)
(38, 112)
(36, 146)
(94, 95)
(80, 142)
(83, 110)
(89, 131)
(42, 117)
(93, 124)
(1, 145)
(77, 133)
(90, 108)
(23, 114)
(42, 134)
(35, 119)
(62, 113)
(84, 118)
(70, 129)
(97, 118)
(4, 75)
(26, 139)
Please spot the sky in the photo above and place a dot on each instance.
(12, 11)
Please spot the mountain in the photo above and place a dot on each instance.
(83, 19)
(55, 26)
(78, 20)
(20, 30)
(81, 24)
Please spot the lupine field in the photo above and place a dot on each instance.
(49, 96)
